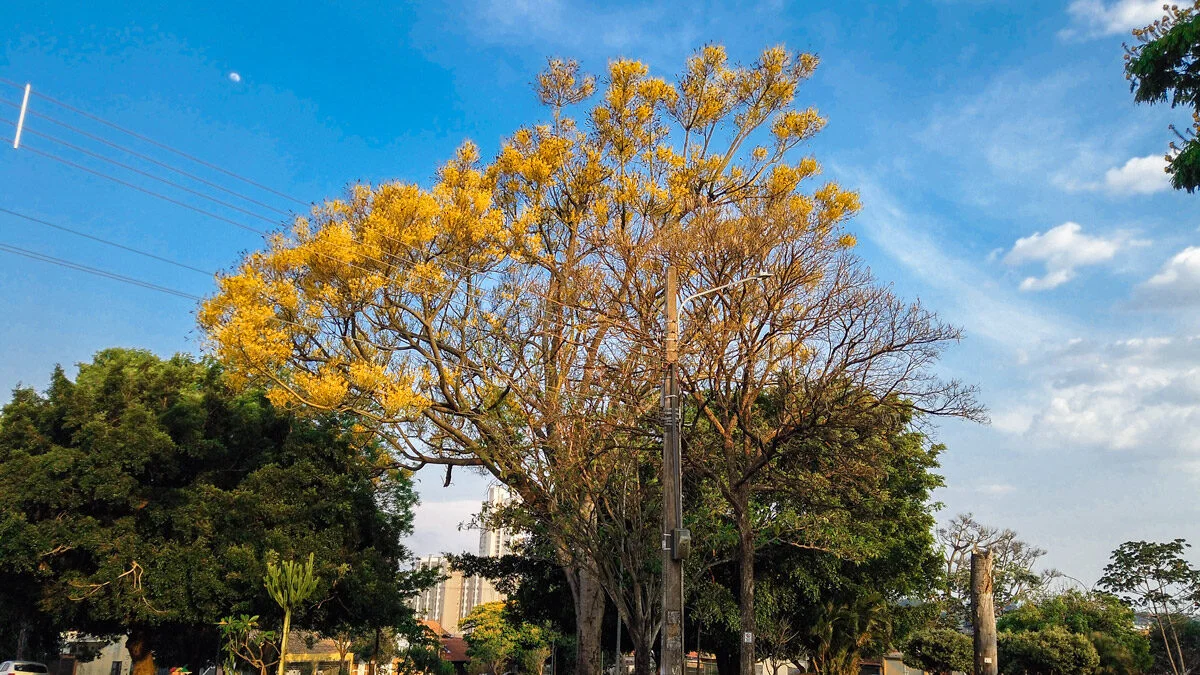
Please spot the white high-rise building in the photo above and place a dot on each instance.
(454, 598)
(493, 543)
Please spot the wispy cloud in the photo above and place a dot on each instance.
(1096, 18)
(972, 298)
(1061, 250)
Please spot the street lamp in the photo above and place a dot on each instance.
(676, 541)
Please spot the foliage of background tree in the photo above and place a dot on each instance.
(423, 656)
(1106, 621)
(147, 493)
(1188, 631)
(940, 651)
(1014, 576)
(1164, 66)
(535, 588)
(1051, 651)
(1156, 578)
(802, 586)
(495, 641)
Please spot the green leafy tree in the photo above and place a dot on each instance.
(893, 563)
(243, 638)
(1164, 66)
(1052, 651)
(1156, 578)
(290, 585)
(940, 651)
(146, 494)
(1188, 631)
(1106, 621)
(490, 638)
(495, 641)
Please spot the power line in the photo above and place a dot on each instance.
(157, 144)
(109, 243)
(147, 174)
(147, 158)
(139, 188)
(389, 266)
(96, 271)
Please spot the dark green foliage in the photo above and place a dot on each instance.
(885, 557)
(1187, 629)
(1102, 618)
(1052, 651)
(144, 496)
(1165, 67)
(940, 651)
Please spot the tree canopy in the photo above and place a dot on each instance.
(508, 317)
(1164, 67)
(144, 497)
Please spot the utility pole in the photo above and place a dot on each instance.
(983, 613)
(675, 540)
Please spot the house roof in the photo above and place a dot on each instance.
(454, 650)
(435, 627)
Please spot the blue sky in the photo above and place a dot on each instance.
(1008, 181)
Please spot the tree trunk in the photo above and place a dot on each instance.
(642, 655)
(140, 653)
(23, 640)
(984, 613)
(746, 590)
(589, 619)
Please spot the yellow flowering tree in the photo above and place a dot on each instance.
(509, 316)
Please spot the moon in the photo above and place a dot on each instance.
(234, 77)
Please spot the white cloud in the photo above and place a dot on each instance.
(1177, 284)
(441, 527)
(1094, 18)
(995, 489)
(1139, 396)
(1062, 250)
(1140, 175)
(968, 297)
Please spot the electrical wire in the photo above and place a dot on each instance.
(157, 144)
(139, 188)
(147, 174)
(145, 158)
(390, 266)
(96, 271)
(108, 242)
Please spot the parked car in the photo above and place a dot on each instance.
(23, 668)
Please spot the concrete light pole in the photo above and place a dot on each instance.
(676, 541)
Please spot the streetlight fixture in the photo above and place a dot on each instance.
(676, 541)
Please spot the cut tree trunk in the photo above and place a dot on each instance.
(140, 653)
(984, 613)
